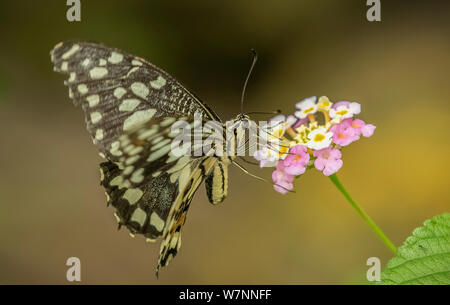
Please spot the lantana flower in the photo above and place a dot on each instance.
(275, 128)
(282, 180)
(328, 160)
(312, 137)
(272, 136)
(266, 157)
(295, 163)
(344, 110)
(324, 104)
(360, 126)
(319, 138)
(306, 107)
(344, 134)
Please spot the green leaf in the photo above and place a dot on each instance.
(424, 258)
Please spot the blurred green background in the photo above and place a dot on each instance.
(52, 206)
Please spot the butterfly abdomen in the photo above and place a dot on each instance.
(217, 183)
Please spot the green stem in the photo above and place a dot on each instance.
(363, 214)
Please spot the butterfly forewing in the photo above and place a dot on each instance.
(119, 91)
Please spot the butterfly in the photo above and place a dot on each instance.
(130, 107)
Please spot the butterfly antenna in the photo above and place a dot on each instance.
(259, 178)
(248, 173)
(264, 112)
(247, 161)
(255, 58)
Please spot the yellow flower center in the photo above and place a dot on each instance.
(308, 110)
(319, 137)
(324, 104)
(283, 150)
(342, 112)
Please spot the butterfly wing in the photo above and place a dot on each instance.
(144, 208)
(129, 107)
(164, 184)
(177, 216)
(119, 91)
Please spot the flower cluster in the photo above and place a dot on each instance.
(312, 137)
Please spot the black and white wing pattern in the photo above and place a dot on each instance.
(119, 91)
(130, 106)
(159, 205)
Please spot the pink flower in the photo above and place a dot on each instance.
(367, 130)
(364, 129)
(282, 180)
(328, 160)
(344, 133)
(341, 103)
(347, 104)
(300, 122)
(294, 122)
(295, 163)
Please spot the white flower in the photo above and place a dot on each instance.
(291, 120)
(319, 138)
(278, 118)
(305, 107)
(274, 129)
(266, 157)
(324, 104)
(345, 111)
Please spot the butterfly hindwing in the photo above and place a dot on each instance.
(188, 184)
(159, 206)
(142, 209)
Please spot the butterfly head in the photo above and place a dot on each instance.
(242, 117)
(242, 121)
